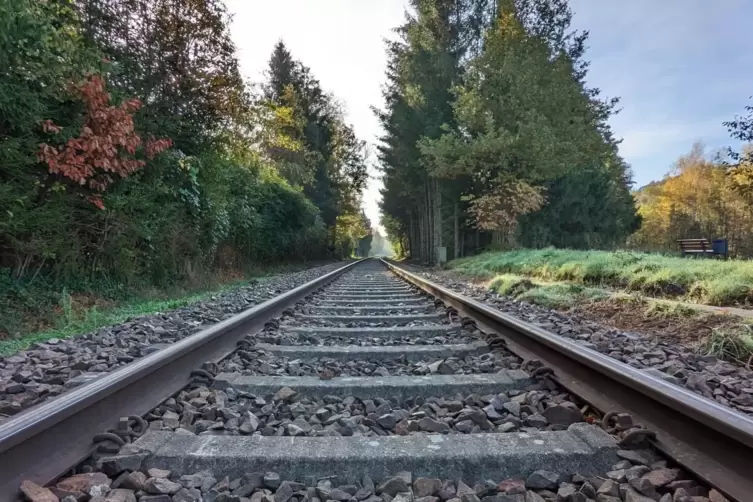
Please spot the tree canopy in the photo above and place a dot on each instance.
(492, 135)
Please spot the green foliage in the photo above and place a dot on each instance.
(306, 136)
(66, 316)
(214, 203)
(488, 116)
(712, 282)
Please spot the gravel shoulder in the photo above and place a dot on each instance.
(49, 368)
(677, 363)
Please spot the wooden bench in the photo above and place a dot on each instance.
(703, 247)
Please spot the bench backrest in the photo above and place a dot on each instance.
(695, 244)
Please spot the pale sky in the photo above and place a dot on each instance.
(681, 67)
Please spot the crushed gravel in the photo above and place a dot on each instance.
(49, 368)
(206, 411)
(260, 362)
(706, 375)
(640, 476)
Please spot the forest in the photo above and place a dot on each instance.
(494, 140)
(134, 155)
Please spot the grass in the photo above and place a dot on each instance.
(77, 314)
(708, 281)
(734, 345)
(725, 336)
(551, 295)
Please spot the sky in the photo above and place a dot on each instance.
(680, 67)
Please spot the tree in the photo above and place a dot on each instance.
(107, 143)
(487, 110)
(176, 55)
(306, 135)
(741, 172)
(695, 200)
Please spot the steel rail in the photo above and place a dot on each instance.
(45, 441)
(712, 441)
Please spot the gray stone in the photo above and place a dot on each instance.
(250, 424)
(543, 480)
(636, 471)
(512, 407)
(284, 492)
(498, 402)
(536, 420)
(392, 486)
(644, 486)
(424, 487)
(121, 495)
(187, 495)
(158, 473)
(607, 498)
(339, 495)
(112, 466)
(159, 486)
(447, 491)
(374, 353)
(155, 498)
(633, 456)
(661, 477)
(134, 481)
(619, 475)
(506, 427)
(566, 492)
(633, 496)
(609, 487)
(403, 497)
(271, 480)
(387, 421)
(562, 415)
(285, 394)
(398, 387)
(533, 497)
(430, 425)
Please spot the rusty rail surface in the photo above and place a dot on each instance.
(45, 441)
(712, 441)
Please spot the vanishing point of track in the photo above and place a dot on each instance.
(405, 359)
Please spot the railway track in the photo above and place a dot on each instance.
(371, 383)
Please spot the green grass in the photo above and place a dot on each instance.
(71, 323)
(70, 320)
(731, 344)
(709, 281)
(550, 295)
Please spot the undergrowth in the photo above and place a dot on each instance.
(35, 313)
(731, 344)
(551, 295)
(709, 281)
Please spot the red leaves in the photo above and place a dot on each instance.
(98, 151)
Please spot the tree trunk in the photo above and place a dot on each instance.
(437, 219)
(456, 232)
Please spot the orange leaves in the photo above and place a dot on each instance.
(108, 133)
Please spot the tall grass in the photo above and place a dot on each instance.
(710, 281)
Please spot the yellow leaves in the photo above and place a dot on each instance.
(697, 199)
